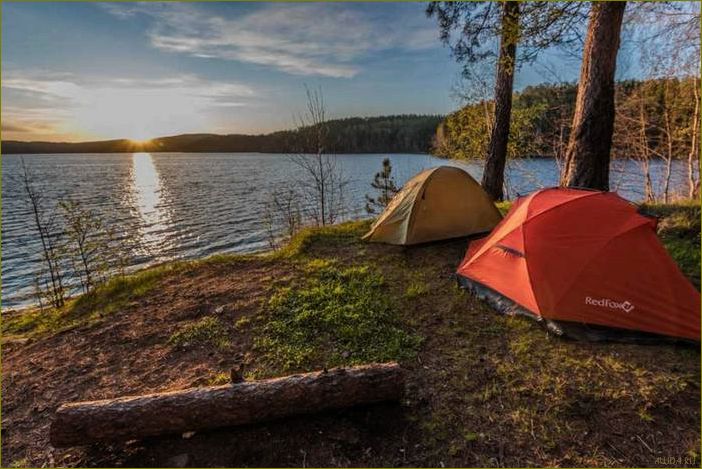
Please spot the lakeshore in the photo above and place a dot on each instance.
(483, 387)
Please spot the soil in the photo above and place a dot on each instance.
(485, 390)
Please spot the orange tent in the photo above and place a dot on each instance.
(583, 258)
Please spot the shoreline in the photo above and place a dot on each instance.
(186, 324)
(504, 206)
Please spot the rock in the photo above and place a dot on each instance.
(219, 309)
(180, 460)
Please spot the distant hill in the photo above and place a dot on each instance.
(385, 134)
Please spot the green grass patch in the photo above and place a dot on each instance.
(342, 234)
(416, 288)
(337, 316)
(686, 254)
(242, 323)
(208, 331)
(679, 230)
(104, 300)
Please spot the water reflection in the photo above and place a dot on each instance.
(147, 197)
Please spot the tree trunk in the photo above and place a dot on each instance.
(692, 181)
(644, 151)
(137, 417)
(593, 122)
(493, 175)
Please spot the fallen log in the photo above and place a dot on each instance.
(137, 417)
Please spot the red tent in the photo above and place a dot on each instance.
(584, 257)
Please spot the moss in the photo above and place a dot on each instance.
(335, 317)
(208, 331)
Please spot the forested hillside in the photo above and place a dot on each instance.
(386, 134)
(654, 119)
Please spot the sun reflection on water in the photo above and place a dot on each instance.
(147, 196)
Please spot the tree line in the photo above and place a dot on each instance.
(655, 119)
(408, 133)
(585, 133)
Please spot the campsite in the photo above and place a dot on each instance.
(484, 389)
(474, 243)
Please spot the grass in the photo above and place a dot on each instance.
(335, 316)
(207, 331)
(679, 230)
(416, 289)
(90, 308)
(485, 389)
(341, 234)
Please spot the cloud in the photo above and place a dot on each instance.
(10, 127)
(41, 103)
(22, 123)
(300, 39)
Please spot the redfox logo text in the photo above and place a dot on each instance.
(626, 306)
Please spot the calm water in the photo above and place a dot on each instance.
(181, 205)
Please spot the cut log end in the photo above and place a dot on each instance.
(137, 417)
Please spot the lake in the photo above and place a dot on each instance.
(190, 205)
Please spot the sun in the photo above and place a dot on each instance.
(138, 142)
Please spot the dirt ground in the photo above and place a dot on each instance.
(483, 390)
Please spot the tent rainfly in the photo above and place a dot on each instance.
(588, 264)
(438, 203)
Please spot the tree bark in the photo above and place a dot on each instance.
(644, 150)
(593, 122)
(137, 417)
(692, 181)
(493, 175)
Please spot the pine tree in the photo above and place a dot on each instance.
(384, 184)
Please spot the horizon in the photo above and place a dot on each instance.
(153, 70)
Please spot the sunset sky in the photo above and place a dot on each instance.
(77, 71)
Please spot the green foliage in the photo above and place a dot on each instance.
(338, 316)
(409, 133)
(542, 115)
(208, 331)
(87, 246)
(465, 134)
(384, 184)
(471, 28)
